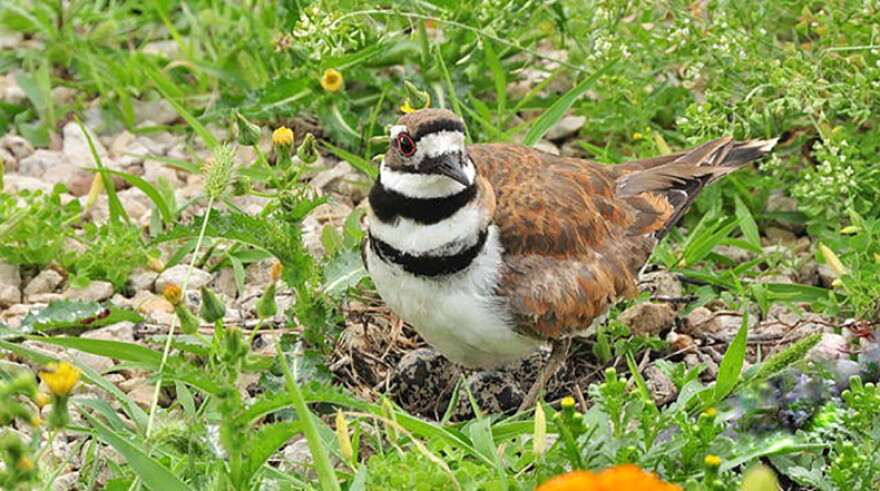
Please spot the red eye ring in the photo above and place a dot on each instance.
(406, 145)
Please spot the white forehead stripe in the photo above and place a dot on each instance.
(397, 130)
(436, 144)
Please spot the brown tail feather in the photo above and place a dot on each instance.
(680, 179)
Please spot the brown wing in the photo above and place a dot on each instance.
(576, 233)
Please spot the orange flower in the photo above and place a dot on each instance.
(617, 478)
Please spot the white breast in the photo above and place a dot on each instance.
(459, 315)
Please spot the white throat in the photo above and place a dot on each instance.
(414, 185)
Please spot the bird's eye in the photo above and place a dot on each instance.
(406, 145)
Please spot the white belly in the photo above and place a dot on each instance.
(458, 315)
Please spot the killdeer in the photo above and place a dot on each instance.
(492, 250)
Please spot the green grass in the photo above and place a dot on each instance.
(650, 77)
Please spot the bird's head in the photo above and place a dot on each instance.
(427, 149)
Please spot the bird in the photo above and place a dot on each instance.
(491, 251)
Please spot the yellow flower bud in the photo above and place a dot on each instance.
(275, 272)
(42, 400)
(283, 136)
(343, 438)
(539, 442)
(26, 463)
(173, 293)
(60, 378)
(95, 191)
(833, 261)
(760, 478)
(710, 413)
(568, 402)
(332, 80)
(712, 461)
(155, 264)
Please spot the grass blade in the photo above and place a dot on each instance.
(557, 110)
(732, 363)
(153, 474)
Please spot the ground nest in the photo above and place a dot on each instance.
(380, 354)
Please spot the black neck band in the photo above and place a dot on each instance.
(430, 266)
(389, 205)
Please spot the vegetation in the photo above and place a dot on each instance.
(650, 77)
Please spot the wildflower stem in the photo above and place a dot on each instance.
(326, 475)
(154, 402)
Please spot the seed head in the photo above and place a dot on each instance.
(219, 171)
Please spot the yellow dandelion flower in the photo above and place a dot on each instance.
(283, 137)
(612, 479)
(60, 378)
(712, 461)
(332, 80)
(173, 293)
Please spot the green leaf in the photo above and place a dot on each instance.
(343, 271)
(747, 223)
(169, 91)
(557, 110)
(110, 349)
(358, 163)
(267, 441)
(117, 211)
(148, 189)
(72, 316)
(732, 362)
(153, 474)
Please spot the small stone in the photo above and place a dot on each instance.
(18, 146)
(736, 254)
(224, 283)
(648, 318)
(830, 348)
(681, 343)
(142, 280)
(701, 321)
(778, 202)
(154, 172)
(566, 126)
(780, 235)
(177, 275)
(161, 143)
(662, 389)
(16, 183)
(120, 331)
(10, 285)
(45, 282)
(826, 275)
(331, 214)
(76, 146)
(297, 457)
(343, 179)
(140, 391)
(38, 162)
(95, 291)
(159, 111)
(546, 147)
